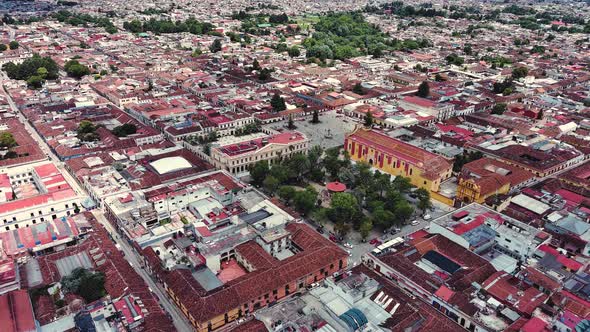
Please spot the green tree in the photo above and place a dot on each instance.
(424, 202)
(467, 49)
(256, 65)
(314, 156)
(207, 149)
(264, 74)
(35, 82)
(287, 193)
(271, 184)
(259, 171)
(134, 26)
(342, 228)
(42, 72)
(74, 69)
(343, 207)
(216, 46)
(13, 45)
(278, 103)
(298, 165)
(423, 90)
(403, 211)
(3, 47)
(540, 115)
(196, 52)
(315, 117)
(519, 72)
(294, 52)
(305, 200)
(358, 89)
(402, 184)
(332, 162)
(438, 78)
(281, 172)
(454, 59)
(124, 130)
(382, 217)
(366, 227)
(87, 131)
(369, 119)
(7, 140)
(499, 108)
(29, 67)
(290, 123)
(88, 284)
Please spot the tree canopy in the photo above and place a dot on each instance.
(215, 46)
(34, 70)
(423, 90)
(87, 131)
(347, 35)
(278, 103)
(124, 130)
(190, 25)
(75, 69)
(7, 140)
(77, 19)
(87, 284)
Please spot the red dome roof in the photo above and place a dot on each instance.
(336, 187)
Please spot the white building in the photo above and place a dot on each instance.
(35, 193)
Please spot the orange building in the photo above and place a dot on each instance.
(487, 177)
(425, 169)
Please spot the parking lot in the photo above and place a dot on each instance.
(330, 123)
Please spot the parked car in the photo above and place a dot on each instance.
(426, 217)
(313, 285)
(415, 222)
(376, 242)
(320, 230)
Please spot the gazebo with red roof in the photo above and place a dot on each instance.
(336, 187)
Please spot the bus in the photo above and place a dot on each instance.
(389, 244)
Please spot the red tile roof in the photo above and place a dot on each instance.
(269, 274)
(16, 313)
(507, 289)
(433, 165)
